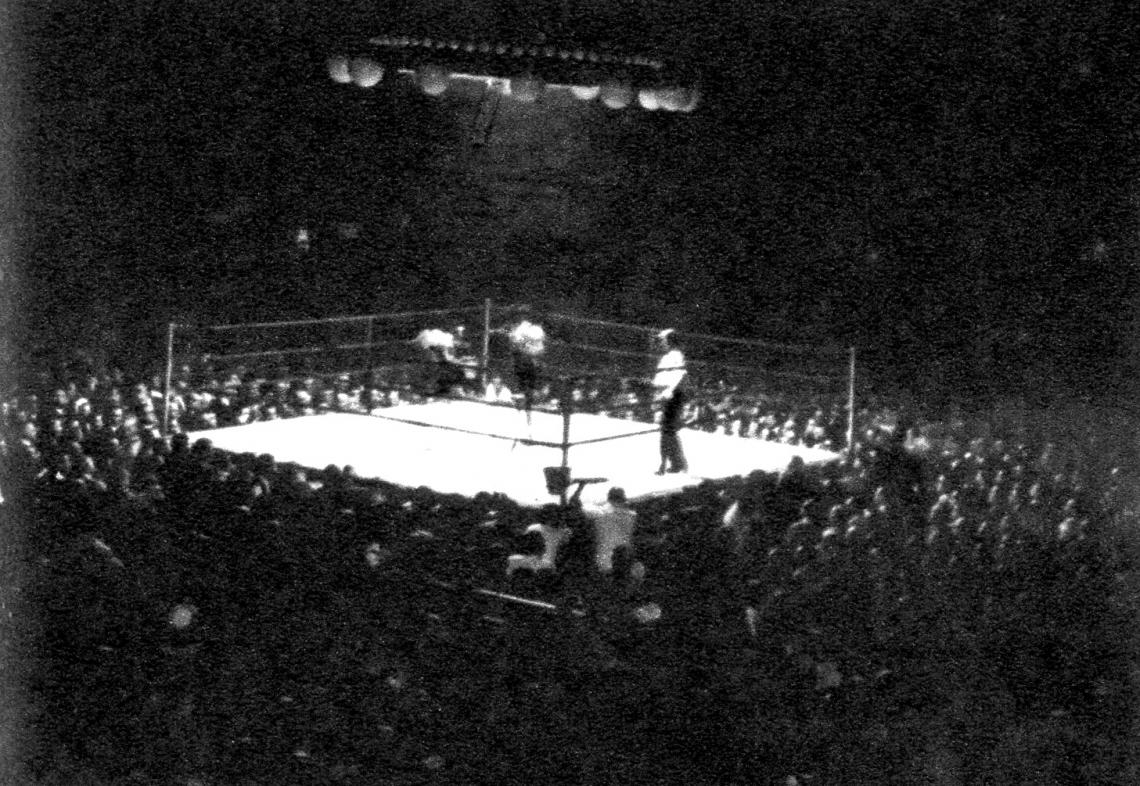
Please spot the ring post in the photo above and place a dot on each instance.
(485, 377)
(851, 405)
(368, 351)
(169, 378)
(565, 407)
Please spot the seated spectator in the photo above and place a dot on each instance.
(895, 469)
(614, 523)
(794, 486)
(748, 509)
(343, 490)
(497, 391)
(554, 536)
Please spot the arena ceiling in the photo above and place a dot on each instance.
(843, 153)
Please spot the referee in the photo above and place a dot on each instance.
(669, 385)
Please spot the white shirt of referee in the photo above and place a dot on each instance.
(670, 374)
(528, 338)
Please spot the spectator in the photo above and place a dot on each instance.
(613, 523)
(498, 392)
(1001, 555)
(554, 536)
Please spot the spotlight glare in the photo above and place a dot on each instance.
(338, 70)
(616, 95)
(182, 615)
(692, 98)
(432, 79)
(648, 99)
(673, 98)
(366, 72)
(647, 613)
(585, 92)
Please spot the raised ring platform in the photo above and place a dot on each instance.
(465, 447)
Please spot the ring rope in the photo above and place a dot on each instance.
(332, 320)
(612, 437)
(800, 376)
(704, 336)
(304, 350)
(528, 441)
(797, 375)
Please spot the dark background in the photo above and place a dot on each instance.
(950, 186)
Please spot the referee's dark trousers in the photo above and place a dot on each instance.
(672, 420)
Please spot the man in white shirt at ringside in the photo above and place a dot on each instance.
(614, 522)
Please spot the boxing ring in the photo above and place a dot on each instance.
(467, 447)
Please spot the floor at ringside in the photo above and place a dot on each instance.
(464, 447)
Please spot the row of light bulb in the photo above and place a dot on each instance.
(434, 80)
(517, 51)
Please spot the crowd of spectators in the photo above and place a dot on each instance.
(942, 602)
